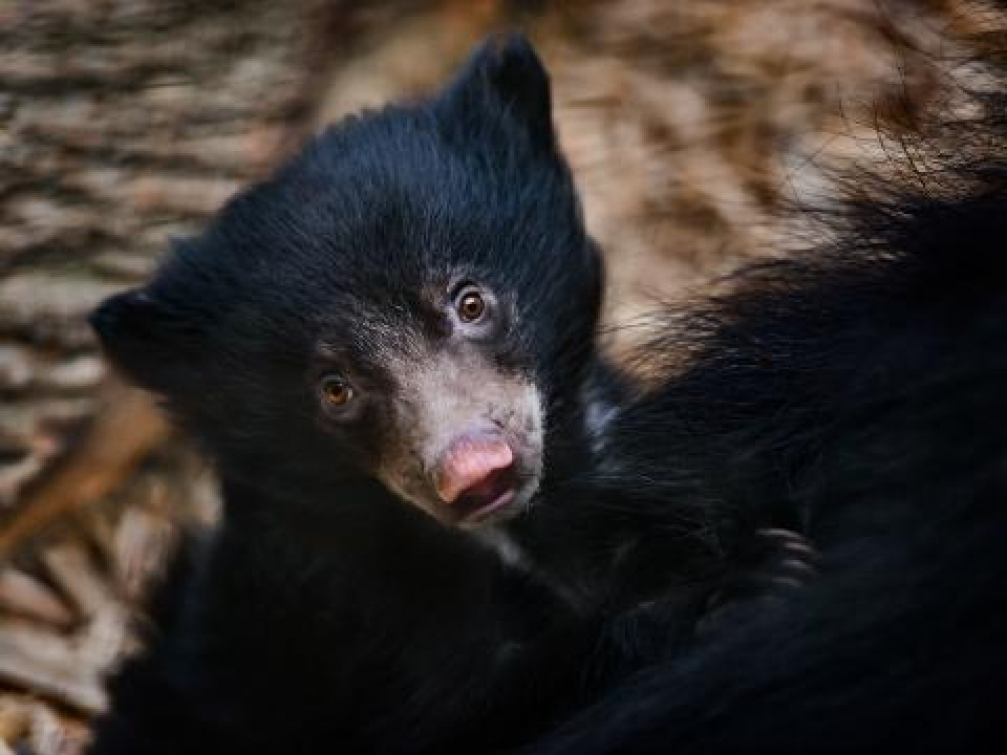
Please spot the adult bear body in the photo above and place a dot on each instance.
(857, 393)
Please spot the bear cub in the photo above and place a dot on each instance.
(388, 351)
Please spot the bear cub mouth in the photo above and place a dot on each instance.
(490, 494)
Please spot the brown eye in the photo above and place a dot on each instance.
(335, 391)
(470, 305)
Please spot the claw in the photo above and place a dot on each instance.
(778, 564)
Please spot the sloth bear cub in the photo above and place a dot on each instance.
(388, 351)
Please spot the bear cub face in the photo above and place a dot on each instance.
(411, 300)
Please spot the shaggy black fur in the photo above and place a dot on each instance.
(857, 393)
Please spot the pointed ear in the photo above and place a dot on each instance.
(505, 78)
(153, 346)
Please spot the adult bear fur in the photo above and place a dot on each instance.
(858, 393)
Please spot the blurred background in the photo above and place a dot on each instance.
(690, 126)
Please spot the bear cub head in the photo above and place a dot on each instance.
(411, 300)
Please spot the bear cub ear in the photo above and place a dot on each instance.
(146, 341)
(504, 78)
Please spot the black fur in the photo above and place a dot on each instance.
(857, 394)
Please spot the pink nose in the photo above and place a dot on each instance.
(469, 461)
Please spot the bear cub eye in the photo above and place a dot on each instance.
(335, 392)
(470, 304)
